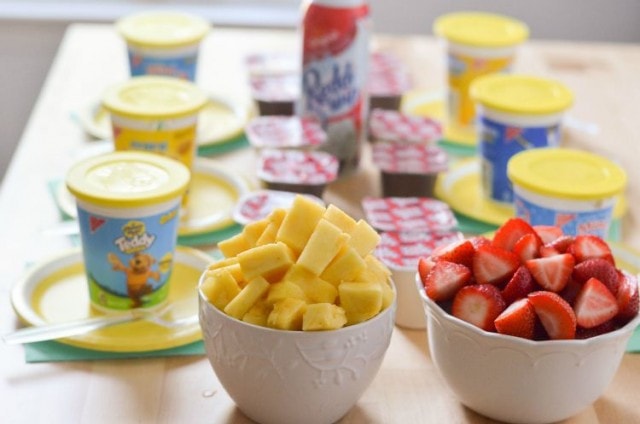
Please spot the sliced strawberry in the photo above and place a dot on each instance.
(424, 267)
(600, 269)
(519, 286)
(460, 252)
(589, 246)
(528, 247)
(570, 291)
(547, 233)
(479, 241)
(445, 279)
(561, 244)
(493, 265)
(553, 272)
(510, 232)
(546, 251)
(479, 305)
(556, 315)
(595, 304)
(627, 297)
(587, 333)
(517, 320)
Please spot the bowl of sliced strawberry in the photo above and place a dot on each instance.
(529, 325)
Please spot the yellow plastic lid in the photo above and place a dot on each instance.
(128, 179)
(480, 29)
(521, 94)
(162, 29)
(154, 97)
(566, 173)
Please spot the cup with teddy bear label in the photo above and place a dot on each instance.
(128, 211)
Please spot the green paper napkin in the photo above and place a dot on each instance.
(51, 351)
(634, 342)
(239, 142)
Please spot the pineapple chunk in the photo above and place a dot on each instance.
(339, 218)
(220, 288)
(258, 313)
(223, 263)
(300, 222)
(323, 245)
(360, 301)
(364, 238)
(344, 267)
(253, 230)
(234, 245)
(233, 269)
(316, 290)
(387, 294)
(248, 296)
(270, 261)
(323, 316)
(274, 219)
(287, 314)
(284, 289)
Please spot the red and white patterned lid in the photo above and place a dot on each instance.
(285, 132)
(408, 214)
(272, 63)
(297, 167)
(391, 125)
(387, 75)
(275, 88)
(401, 250)
(409, 158)
(259, 204)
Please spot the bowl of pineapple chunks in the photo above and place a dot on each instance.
(298, 314)
(530, 325)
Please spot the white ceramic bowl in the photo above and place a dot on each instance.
(516, 380)
(280, 377)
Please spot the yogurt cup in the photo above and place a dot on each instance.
(515, 113)
(163, 43)
(156, 114)
(388, 81)
(409, 169)
(274, 81)
(128, 205)
(572, 189)
(408, 214)
(477, 44)
(305, 172)
(400, 252)
(391, 125)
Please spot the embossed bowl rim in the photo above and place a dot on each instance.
(433, 308)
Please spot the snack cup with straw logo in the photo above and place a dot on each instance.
(163, 43)
(477, 44)
(572, 189)
(515, 113)
(156, 114)
(128, 204)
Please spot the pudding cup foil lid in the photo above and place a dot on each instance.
(391, 125)
(285, 132)
(259, 204)
(272, 63)
(387, 75)
(409, 158)
(297, 167)
(408, 214)
(401, 250)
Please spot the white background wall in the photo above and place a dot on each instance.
(30, 32)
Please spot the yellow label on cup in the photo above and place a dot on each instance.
(463, 70)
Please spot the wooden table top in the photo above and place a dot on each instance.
(185, 389)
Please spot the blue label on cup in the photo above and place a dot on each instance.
(594, 222)
(128, 261)
(498, 143)
(181, 67)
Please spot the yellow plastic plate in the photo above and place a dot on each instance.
(220, 121)
(56, 291)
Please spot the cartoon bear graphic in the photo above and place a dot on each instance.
(138, 274)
